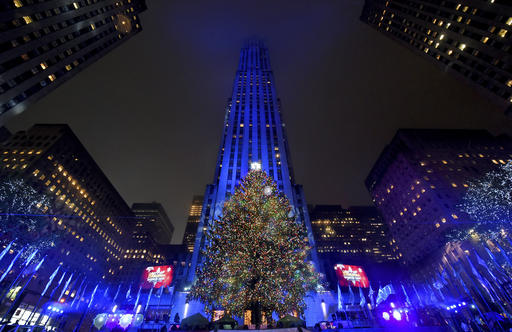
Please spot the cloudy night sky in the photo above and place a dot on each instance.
(151, 112)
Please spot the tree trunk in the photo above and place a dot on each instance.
(256, 315)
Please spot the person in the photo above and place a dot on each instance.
(177, 318)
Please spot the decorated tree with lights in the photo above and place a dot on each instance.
(488, 201)
(23, 214)
(257, 255)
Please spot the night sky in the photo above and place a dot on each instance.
(151, 112)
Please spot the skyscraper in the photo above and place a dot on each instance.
(43, 45)
(194, 216)
(87, 209)
(154, 220)
(357, 236)
(470, 38)
(420, 178)
(253, 136)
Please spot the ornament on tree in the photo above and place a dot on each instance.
(256, 255)
(267, 191)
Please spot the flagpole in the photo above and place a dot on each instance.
(42, 293)
(22, 290)
(19, 274)
(49, 299)
(77, 328)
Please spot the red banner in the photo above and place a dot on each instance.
(353, 274)
(157, 276)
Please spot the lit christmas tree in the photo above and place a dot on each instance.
(488, 201)
(257, 255)
(23, 215)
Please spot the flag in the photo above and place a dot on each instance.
(92, 296)
(384, 293)
(137, 300)
(81, 297)
(77, 293)
(128, 296)
(504, 253)
(11, 264)
(117, 293)
(351, 298)
(50, 280)
(149, 297)
(433, 298)
(34, 267)
(370, 295)
(362, 299)
(65, 287)
(30, 257)
(160, 291)
(407, 300)
(417, 294)
(340, 305)
(484, 264)
(6, 250)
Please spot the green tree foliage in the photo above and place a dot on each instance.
(257, 254)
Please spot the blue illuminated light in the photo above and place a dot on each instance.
(397, 315)
(385, 315)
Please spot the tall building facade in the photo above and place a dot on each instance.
(470, 38)
(354, 236)
(194, 216)
(45, 43)
(94, 219)
(419, 180)
(253, 134)
(154, 220)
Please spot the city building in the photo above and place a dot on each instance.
(354, 236)
(87, 208)
(419, 180)
(154, 220)
(94, 223)
(253, 134)
(254, 137)
(470, 38)
(43, 44)
(194, 216)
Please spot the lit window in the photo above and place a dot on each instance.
(502, 33)
(18, 4)
(75, 5)
(52, 77)
(441, 37)
(454, 185)
(462, 47)
(438, 225)
(509, 21)
(27, 19)
(485, 39)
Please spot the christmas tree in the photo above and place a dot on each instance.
(24, 215)
(257, 255)
(488, 201)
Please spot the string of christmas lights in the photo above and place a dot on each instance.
(256, 257)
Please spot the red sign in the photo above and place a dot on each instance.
(353, 274)
(156, 277)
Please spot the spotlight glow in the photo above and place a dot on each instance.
(185, 312)
(324, 309)
(385, 315)
(397, 315)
